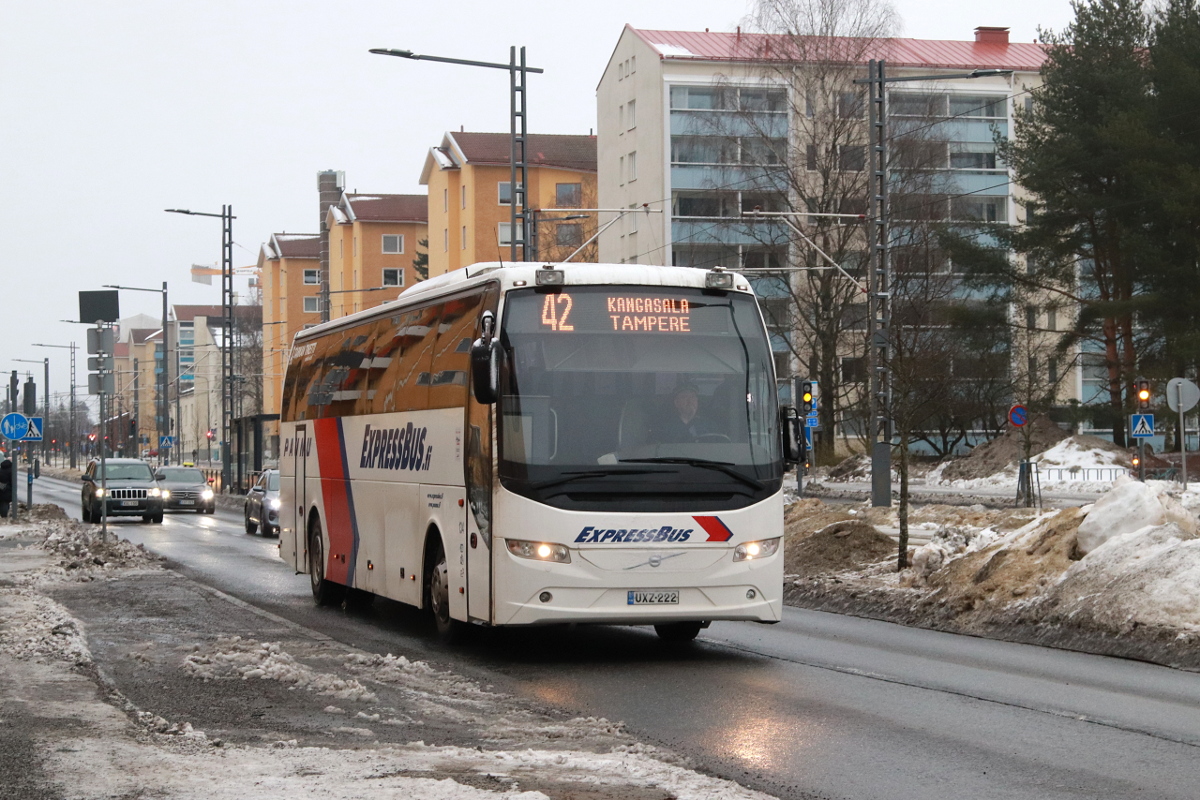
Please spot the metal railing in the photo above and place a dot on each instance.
(1084, 474)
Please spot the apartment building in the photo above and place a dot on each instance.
(373, 241)
(470, 197)
(709, 127)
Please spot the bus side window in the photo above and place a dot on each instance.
(411, 386)
(387, 347)
(452, 353)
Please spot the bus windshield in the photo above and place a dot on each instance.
(615, 392)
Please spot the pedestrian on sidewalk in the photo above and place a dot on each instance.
(6, 487)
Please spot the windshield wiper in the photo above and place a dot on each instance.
(578, 476)
(719, 466)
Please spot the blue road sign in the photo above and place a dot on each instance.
(808, 438)
(14, 426)
(166, 441)
(34, 434)
(812, 421)
(1141, 426)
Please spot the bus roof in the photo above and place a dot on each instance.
(520, 274)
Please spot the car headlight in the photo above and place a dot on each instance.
(207, 494)
(99, 491)
(749, 551)
(276, 503)
(539, 551)
(156, 492)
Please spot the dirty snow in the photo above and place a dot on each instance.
(113, 749)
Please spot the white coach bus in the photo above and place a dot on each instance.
(520, 445)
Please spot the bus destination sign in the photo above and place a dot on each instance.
(621, 313)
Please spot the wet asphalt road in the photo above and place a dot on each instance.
(818, 706)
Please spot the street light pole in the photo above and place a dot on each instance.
(879, 278)
(71, 347)
(226, 216)
(518, 136)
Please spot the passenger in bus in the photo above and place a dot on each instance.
(683, 422)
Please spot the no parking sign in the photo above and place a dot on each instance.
(1018, 415)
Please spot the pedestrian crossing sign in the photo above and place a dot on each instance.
(1141, 426)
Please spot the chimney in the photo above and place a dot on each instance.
(985, 35)
(329, 191)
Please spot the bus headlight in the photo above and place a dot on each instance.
(539, 551)
(748, 551)
(207, 494)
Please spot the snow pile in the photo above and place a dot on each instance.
(235, 657)
(1148, 577)
(35, 628)
(1076, 463)
(947, 543)
(1131, 506)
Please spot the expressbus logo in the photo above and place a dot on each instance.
(664, 534)
(717, 531)
(395, 448)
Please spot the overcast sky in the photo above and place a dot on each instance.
(111, 112)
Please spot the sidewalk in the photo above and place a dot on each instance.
(125, 679)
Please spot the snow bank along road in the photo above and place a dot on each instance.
(818, 706)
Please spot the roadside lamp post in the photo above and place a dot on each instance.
(72, 437)
(519, 131)
(879, 278)
(226, 216)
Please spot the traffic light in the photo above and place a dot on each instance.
(14, 390)
(209, 433)
(1136, 461)
(808, 397)
(30, 398)
(1142, 392)
(91, 437)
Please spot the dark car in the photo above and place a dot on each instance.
(185, 489)
(262, 504)
(128, 489)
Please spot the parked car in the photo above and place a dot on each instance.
(262, 504)
(126, 487)
(186, 489)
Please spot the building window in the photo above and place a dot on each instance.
(810, 104)
(852, 158)
(1052, 319)
(464, 237)
(505, 230)
(973, 160)
(632, 220)
(974, 106)
(354, 243)
(312, 276)
(393, 277)
(632, 114)
(312, 305)
(810, 157)
(850, 105)
(568, 195)
(445, 199)
(632, 162)
(621, 171)
(504, 192)
(445, 240)
(393, 243)
(632, 64)
(567, 235)
(854, 370)
(621, 118)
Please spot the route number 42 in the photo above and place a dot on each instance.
(555, 311)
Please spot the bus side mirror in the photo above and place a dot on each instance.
(789, 430)
(485, 362)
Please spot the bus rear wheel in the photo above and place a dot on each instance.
(678, 632)
(324, 591)
(437, 588)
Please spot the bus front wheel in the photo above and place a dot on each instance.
(437, 587)
(324, 591)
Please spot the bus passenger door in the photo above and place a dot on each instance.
(299, 498)
(478, 465)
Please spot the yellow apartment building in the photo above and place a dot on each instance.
(289, 266)
(135, 359)
(373, 240)
(469, 182)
